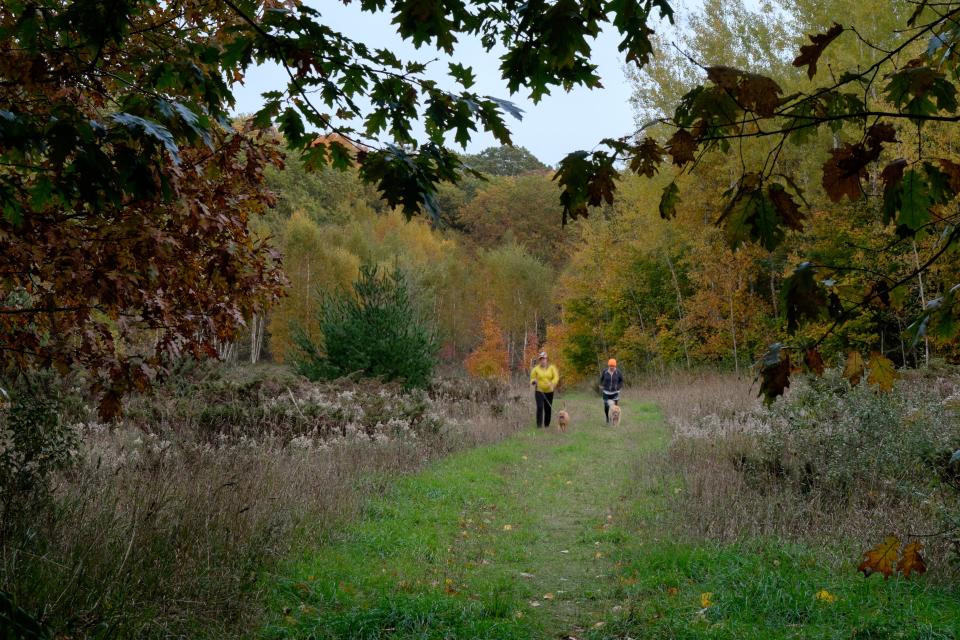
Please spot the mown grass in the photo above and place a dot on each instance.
(553, 536)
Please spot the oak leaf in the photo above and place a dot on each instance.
(682, 146)
(911, 561)
(881, 558)
(786, 208)
(844, 169)
(647, 159)
(810, 53)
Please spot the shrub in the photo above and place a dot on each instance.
(34, 443)
(376, 331)
(829, 462)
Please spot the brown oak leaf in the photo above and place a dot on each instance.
(912, 560)
(682, 146)
(843, 171)
(788, 210)
(810, 53)
(648, 157)
(881, 558)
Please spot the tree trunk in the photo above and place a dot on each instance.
(257, 324)
(923, 305)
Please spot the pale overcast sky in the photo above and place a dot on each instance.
(560, 123)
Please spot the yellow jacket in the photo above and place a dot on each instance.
(546, 378)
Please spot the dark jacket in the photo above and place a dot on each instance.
(611, 382)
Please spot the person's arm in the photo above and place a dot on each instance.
(533, 376)
(619, 380)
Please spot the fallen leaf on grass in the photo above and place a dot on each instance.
(599, 624)
(507, 527)
(673, 591)
(912, 560)
(598, 555)
(548, 596)
(525, 575)
(564, 551)
(534, 603)
(880, 559)
(825, 596)
(706, 599)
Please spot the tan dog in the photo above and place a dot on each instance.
(563, 420)
(615, 416)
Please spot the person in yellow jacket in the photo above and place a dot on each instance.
(544, 377)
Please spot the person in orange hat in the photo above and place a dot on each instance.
(611, 382)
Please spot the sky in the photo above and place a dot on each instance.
(560, 123)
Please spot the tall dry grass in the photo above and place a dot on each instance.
(168, 522)
(804, 470)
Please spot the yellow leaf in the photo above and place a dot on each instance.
(548, 596)
(706, 599)
(507, 527)
(825, 596)
(882, 371)
(853, 370)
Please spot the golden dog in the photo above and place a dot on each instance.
(563, 420)
(615, 416)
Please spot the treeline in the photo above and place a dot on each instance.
(496, 252)
(680, 293)
(503, 279)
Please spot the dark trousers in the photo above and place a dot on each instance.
(606, 403)
(544, 405)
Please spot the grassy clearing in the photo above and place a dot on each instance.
(547, 535)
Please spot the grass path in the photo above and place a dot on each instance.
(547, 535)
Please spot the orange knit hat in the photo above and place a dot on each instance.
(611, 362)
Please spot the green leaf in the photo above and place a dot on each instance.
(291, 126)
(882, 371)
(463, 75)
(669, 200)
(915, 201)
(803, 298)
(150, 128)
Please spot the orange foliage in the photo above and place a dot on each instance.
(490, 358)
(558, 336)
(882, 557)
